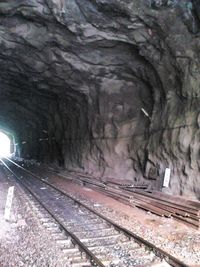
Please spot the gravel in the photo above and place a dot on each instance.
(181, 242)
(185, 246)
(23, 240)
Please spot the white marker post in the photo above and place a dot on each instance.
(9, 203)
(167, 177)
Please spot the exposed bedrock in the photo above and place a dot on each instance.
(108, 87)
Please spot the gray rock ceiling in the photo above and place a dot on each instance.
(75, 74)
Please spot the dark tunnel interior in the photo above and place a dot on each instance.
(108, 91)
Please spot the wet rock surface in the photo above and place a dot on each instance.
(78, 79)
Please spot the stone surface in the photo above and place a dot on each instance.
(74, 76)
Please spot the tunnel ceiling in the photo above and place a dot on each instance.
(75, 76)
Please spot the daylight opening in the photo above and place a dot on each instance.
(5, 145)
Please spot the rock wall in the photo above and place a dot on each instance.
(78, 76)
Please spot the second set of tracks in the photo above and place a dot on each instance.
(90, 239)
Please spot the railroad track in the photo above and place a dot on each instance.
(183, 210)
(87, 237)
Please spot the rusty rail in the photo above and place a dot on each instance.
(159, 252)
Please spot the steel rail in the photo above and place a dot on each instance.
(158, 251)
(93, 259)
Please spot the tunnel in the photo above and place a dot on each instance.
(104, 87)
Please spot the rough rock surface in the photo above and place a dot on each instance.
(75, 74)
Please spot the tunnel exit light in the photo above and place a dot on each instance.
(4, 145)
